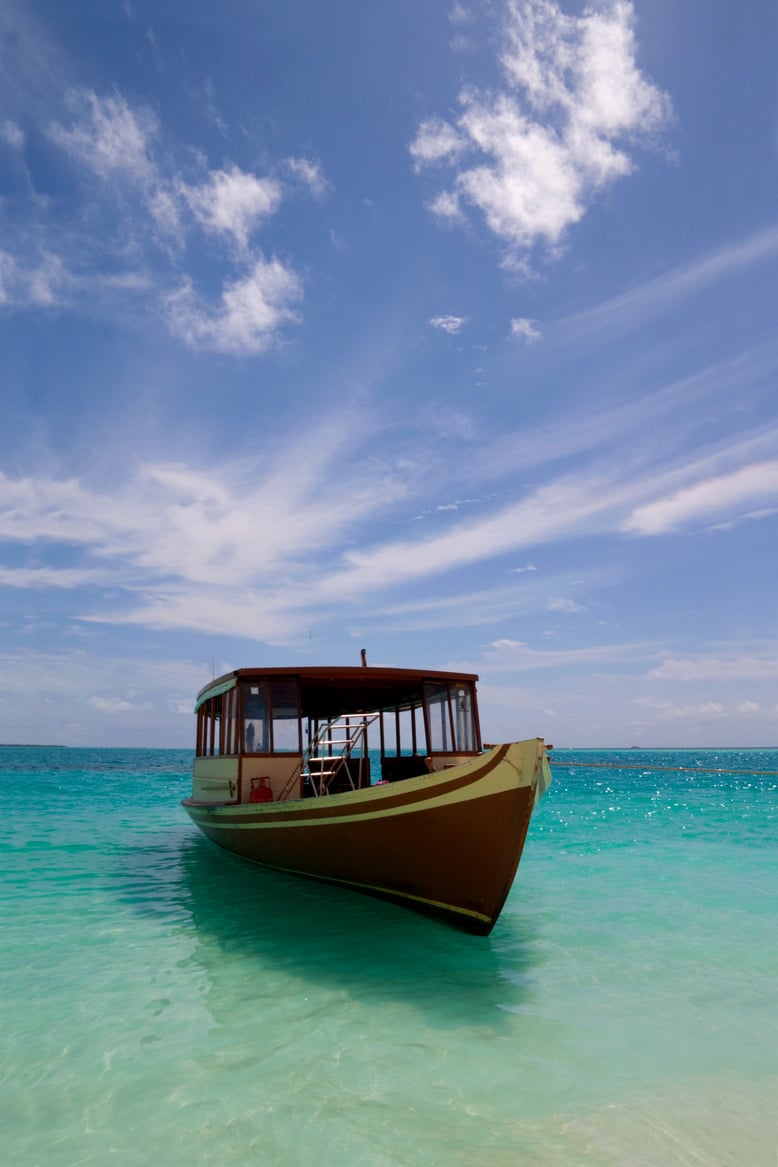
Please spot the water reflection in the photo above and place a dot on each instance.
(336, 940)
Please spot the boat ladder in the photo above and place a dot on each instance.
(332, 753)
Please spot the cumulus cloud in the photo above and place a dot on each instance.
(531, 156)
(450, 324)
(251, 312)
(232, 202)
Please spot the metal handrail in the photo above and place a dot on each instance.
(327, 737)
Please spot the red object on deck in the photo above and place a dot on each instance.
(260, 793)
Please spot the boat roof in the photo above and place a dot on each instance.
(328, 692)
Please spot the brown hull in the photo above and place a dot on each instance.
(447, 844)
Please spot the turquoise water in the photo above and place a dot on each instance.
(165, 1004)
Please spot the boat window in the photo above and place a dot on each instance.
(256, 717)
(450, 710)
(209, 727)
(464, 720)
(286, 717)
(271, 719)
(439, 718)
(231, 722)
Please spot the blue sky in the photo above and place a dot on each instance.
(447, 330)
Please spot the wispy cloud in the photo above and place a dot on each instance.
(171, 535)
(696, 711)
(526, 329)
(108, 136)
(556, 134)
(11, 134)
(40, 282)
(757, 662)
(724, 494)
(51, 577)
(688, 279)
(308, 174)
(450, 324)
(562, 604)
(151, 213)
(83, 699)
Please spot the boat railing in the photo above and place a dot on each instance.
(338, 750)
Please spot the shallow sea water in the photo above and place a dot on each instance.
(163, 1003)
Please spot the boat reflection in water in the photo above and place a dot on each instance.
(283, 776)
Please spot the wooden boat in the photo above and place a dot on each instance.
(284, 775)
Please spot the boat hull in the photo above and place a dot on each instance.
(447, 844)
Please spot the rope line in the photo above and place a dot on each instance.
(554, 762)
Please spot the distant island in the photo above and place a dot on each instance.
(32, 746)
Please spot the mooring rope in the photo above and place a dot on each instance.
(554, 762)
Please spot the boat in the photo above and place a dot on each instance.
(374, 779)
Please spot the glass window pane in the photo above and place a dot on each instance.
(286, 722)
(464, 721)
(436, 697)
(256, 719)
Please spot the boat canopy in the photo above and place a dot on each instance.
(268, 710)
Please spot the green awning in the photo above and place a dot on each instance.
(215, 691)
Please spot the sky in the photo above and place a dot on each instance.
(445, 330)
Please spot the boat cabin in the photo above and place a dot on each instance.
(279, 734)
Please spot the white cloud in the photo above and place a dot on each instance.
(310, 174)
(525, 328)
(49, 577)
(232, 202)
(108, 136)
(78, 699)
(238, 548)
(673, 711)
(560, 604)
(437, 141)
(446, 206)
(12, 135)
(41, 281)
(250, 316)
(459, 14)
(556, 134)
(749, 708)
(641, 303)
(450, 324)
(117, 705)
(711, 497)
(8, 277)
(142, 188)
(761, 664)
